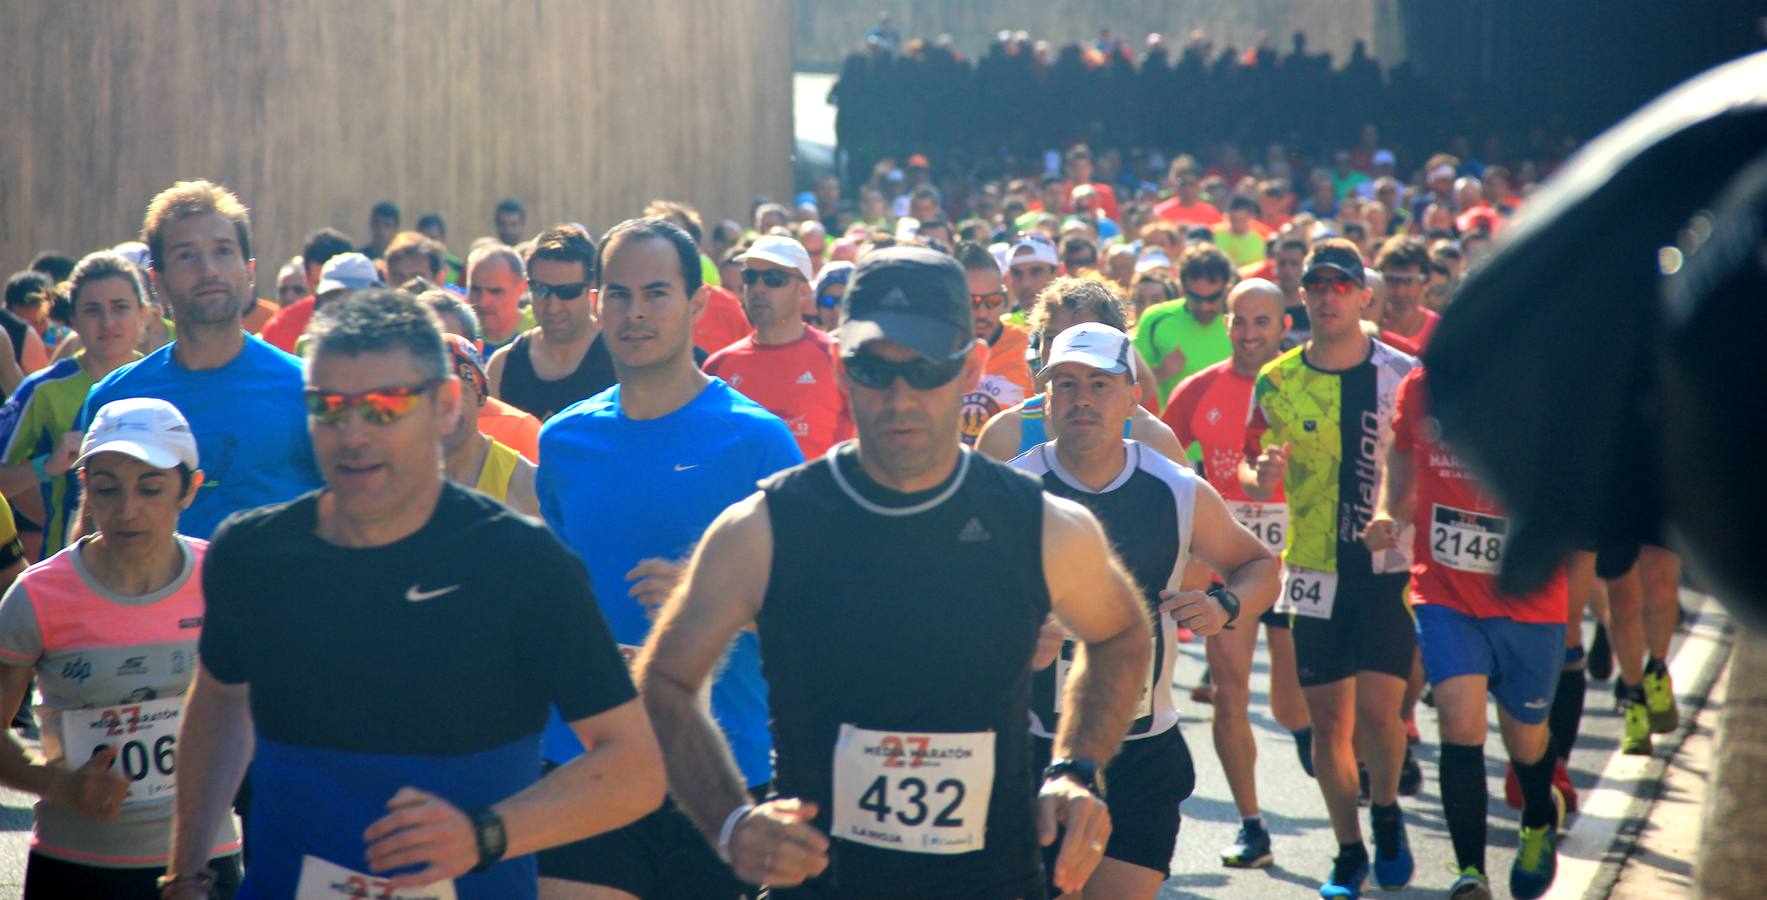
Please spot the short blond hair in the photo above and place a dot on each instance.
(193, 198)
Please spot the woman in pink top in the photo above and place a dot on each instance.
(109, 627)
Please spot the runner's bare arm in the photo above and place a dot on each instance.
(1394, 503)
(522, 497)
(214, 746)
(1148, 429)
(92, 788)
(1096, 600)
(999, 438)
(721, 593)
(10, 373)
(494, 371)
(1246, 565)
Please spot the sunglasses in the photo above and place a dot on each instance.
(541, 290)
(773, 278)
(381, 406)
(1339, 286)
(1208, 298)
(1409, 278)
(991, 301)
(922, 374)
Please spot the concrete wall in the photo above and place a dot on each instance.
(312, 110)
(827, 30)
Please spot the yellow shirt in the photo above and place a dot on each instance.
(499, 468)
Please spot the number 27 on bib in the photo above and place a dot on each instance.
(918, 792)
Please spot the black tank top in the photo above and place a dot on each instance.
(15, 329)
(523, 388)
(906, 613)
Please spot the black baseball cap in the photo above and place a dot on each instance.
(914, 296)
(1344, 259)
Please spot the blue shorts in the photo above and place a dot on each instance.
(1520, 660)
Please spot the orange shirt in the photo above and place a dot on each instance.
(259, 315)
(511, 427)
(723, 323)
(289, 323)
(1006, 381)
(1200, 213)
(794, 381)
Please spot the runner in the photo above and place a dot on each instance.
(1643, 582)
(109, 307)
(1156, 514)
(1210, 409)
(1329, 404)
(496, 284)
(109, 629)
(892, 782)
(1005, 380)
(629, 480)
(511, 427)
(1181, 337)
(474, 458)
(409, 766)
(548, 367)
(240, 395)
(1067, 302)
(1474, 637)
(785, 365)
(1031, 264)
(1404, 263)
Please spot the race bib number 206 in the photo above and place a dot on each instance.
(145, 736)
(918, 792)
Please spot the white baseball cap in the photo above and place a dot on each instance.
(1152, 259)
(347, 272)
(781, 250)
(1092, 344)
(146, 428)
(1042, 251)
(1384, 158)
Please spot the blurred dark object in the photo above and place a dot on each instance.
(1544, 372)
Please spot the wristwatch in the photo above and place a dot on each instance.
(487, 828)
(1229, 601)
(1084, 772)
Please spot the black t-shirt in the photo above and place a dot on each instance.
(455, 639)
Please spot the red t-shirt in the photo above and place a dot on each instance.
(1461, 531)
(1200, 213)
(1421, 339)
(1211, 407)
(793, 381)
(289, 323)
(723, 323)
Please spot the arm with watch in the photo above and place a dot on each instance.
(1251, 576)
(1094, 599)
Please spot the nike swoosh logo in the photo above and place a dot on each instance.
(1535, 704)
(416, 596)
(681, 468)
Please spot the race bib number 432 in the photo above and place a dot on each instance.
(145, 735)
(918, 792)
(1468, 541)
(325, 880)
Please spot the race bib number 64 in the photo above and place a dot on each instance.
(918, 792)
(1310, 592)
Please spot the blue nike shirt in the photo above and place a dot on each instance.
(619, 490)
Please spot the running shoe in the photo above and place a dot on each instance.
(1636, 739)
(1347, 876)
(1471, 885)
(1412, 738)
(1601, 655)
(1561, 779)
(1393, 865)
(1204, 692)
(1410, 776)
(1251, 850)
(1659, 701)
(1536, 862)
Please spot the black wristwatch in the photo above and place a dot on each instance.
(493, 841)
(1082, 771)
(1229, 601)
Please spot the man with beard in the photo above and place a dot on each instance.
(241, 396)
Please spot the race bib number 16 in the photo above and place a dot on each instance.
(1310, 592)
(918, 792)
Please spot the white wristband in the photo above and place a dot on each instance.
(736, 815)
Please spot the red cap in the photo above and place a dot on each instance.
(918, 160)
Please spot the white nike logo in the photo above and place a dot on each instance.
(416, 596)
(1535, 704)
(681, 468)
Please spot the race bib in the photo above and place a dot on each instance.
(1310, 592)
(918, 792)
(1064, 662)
(145, 735)
(1268, 521)
(1467, 541)
(324, 880)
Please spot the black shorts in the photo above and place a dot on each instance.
(1143, 787)
(1273, 619)
(48, 878)
(1370, 630)
(660, 856)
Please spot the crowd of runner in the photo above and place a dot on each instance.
(843, 555)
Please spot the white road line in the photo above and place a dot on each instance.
(1615, 798)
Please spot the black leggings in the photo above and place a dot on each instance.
(47, 878)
